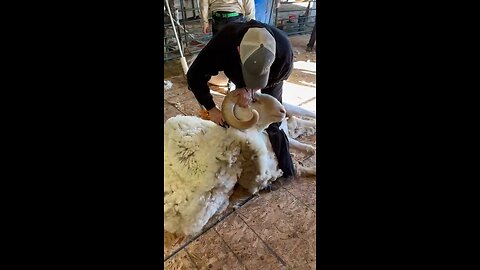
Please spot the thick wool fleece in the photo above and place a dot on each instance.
(202, 163)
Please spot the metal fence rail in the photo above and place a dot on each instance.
(292, 17)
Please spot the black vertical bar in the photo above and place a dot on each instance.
(184, 17)
(271, 13)
(193, 6)
(276, 14)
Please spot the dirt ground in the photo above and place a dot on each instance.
(299, 44)
(238, 238)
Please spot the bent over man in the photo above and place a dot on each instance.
(254, 56)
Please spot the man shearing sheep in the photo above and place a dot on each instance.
(254, 56)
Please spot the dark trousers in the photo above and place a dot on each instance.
(313, 37)
(278, 138)
(218, 23)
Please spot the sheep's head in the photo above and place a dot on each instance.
(263, 111)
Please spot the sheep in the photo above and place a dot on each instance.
(271, 111)
(203, 162)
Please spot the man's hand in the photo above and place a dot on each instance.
(244, 97)
(216, 116)
(205, 28)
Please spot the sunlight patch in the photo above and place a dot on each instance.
(305, 65)
(296, 93)
(309, 83)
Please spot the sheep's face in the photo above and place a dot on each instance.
(270, 110)
(262, 112)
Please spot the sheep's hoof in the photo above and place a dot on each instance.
(310, 131)
(270, 187)
(310, 150)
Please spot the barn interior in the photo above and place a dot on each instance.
(275, 229)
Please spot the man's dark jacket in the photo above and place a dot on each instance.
(221, 54)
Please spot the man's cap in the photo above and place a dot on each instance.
(257, 53)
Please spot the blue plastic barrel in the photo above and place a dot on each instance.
(263, 9)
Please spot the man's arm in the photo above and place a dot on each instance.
(206, 65)
(249, 7)
(204, 5)
(198, 76)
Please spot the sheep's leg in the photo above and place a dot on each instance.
(296, 145)
(293, 110)
(302, 123)
(300, 126)
(305, 171)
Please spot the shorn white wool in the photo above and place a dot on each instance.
(167, 85)
(202, 163)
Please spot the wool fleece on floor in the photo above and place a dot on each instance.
(202, 164)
